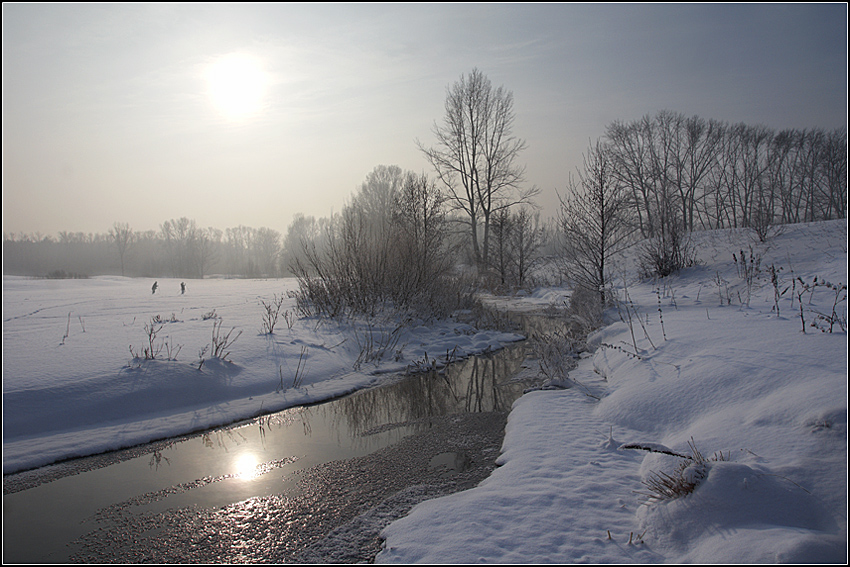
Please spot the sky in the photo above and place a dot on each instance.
(241, 114)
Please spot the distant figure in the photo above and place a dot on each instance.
(182, 288)
(153, 287)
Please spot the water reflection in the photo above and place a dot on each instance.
(477, 384)
(157, 459)
(361, 422)
(246, 466)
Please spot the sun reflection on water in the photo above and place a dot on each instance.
(246, 466)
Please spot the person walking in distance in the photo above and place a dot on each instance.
(153, 287)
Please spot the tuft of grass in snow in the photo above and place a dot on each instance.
(558, 352)
(222, 342)
(749, 269)
(154, 348)
(271, 313)
(632, 317)
(824, 322)
(685, 477)
(298, 377)
(67, 329)
(376, 342)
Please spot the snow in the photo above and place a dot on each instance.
(72, 386)
(712, 363)
(737, 379)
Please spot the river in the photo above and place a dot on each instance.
(308, 484)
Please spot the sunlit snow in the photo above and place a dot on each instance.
(712, 363)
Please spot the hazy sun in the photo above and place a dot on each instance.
(236, 84)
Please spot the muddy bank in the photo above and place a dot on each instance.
(335, 514)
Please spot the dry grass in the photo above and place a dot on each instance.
(685, 477)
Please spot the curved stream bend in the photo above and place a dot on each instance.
(324, 481)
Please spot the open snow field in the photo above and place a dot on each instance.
(72, 386)
(702, 356)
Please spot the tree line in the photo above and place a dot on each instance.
(179, 249)
(707, 174)
(657, 179)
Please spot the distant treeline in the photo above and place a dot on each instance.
(179, 249)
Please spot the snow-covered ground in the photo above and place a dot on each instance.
(72, 385)
(735, 378)
(712, 362)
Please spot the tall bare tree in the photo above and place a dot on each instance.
(204, 244)
(420, 230)
(267, 251)
(124, 237)
(594, 222)
(178, 236)
(526, 238)
(516, 238)
(475, 155)
(834, 169)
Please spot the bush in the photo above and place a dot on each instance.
(558, 352)
(387, 249)
(667, 252)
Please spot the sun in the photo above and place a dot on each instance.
(237, 85)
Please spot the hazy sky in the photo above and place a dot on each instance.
(247, 114)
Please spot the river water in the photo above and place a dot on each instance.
(272, 488)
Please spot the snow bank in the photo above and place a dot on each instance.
(711, 360)
(72, 387)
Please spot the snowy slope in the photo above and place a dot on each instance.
(716, 364)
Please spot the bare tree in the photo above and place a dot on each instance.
(526, 239)
(629, 152)
(377, 194)
(237, 246)
(420, 226)
(514, 244)
(834, 170)
(302, 229)
(267, 251)
(176, 235)
(203, 248)
(702, 142)
(475, 156)
(124, 237)
(188, 249)
(500, 252)
(594, 222)
(687, 173)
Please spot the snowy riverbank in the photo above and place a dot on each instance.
(72, 387)
(736, 378)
